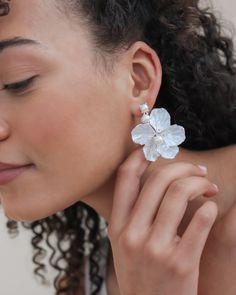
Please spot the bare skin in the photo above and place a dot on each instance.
(219, 255)
(83, 116)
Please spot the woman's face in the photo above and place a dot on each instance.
(71, 122)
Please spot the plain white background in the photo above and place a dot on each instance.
(16, 268)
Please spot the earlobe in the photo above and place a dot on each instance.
(146, 74)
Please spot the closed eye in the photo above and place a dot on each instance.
(20, 86)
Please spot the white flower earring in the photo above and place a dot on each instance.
(156, 133)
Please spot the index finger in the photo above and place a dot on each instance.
(127, 188)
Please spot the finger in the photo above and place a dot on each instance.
(174, 204)
(127, 188)
(155, 188)
(194, 239)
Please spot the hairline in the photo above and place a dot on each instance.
(104, 58)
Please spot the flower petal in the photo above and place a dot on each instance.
(142, 133)
(160, 119)
(167, 152)
(150, 151)
(174, 135)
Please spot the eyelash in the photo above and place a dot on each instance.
(20, 86)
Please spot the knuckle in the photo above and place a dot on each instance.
(128, 169)
(156, 253)
(180, 268)
(204, 217)
(178, 187)
(124, 169)
(129, 241)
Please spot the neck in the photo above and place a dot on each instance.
(221, 170)
(221, 165)
(101, 200)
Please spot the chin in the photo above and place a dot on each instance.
(22, 216)
(31, 203)
(23, 213)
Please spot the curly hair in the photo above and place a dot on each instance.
(198, 89)
(4, 7)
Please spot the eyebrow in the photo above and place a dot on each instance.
(16, 41)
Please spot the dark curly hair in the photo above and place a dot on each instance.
(4, 7)
(198, 89)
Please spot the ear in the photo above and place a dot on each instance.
(145, 75)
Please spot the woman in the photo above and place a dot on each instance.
(73, 77)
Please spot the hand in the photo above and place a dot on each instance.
(149, 257)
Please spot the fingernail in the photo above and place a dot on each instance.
(216, 187)
(203, 168)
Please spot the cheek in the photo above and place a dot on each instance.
(74, 130)
(76, 144)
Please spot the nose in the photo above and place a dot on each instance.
(4, 130)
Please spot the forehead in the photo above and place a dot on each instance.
(30, 17)
(45, 22)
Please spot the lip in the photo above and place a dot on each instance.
(8, 174)
(4, 166)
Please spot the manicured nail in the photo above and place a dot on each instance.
(203, 168)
